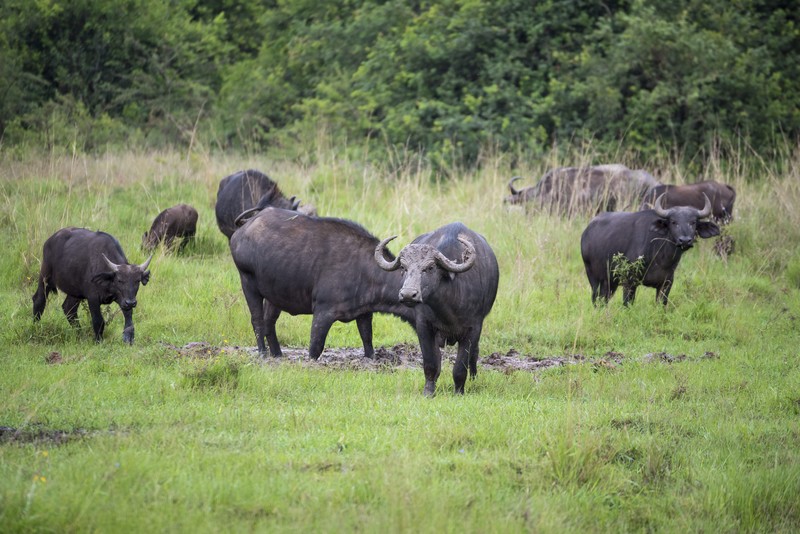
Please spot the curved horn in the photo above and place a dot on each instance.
(113, 266)
(382, 263)
(144, 266)
(660, 211)
(239, 220)
(295, 204)
(706, 211)
(511, 185)
(469, 258)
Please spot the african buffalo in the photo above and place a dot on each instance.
(322, 266)
(177, 221)
(450, 279)
(244, 190)
(641, 248)
(722, 197)
(92, 266)
(573, 190)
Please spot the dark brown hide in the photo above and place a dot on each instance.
(89, 266)
(176, 222)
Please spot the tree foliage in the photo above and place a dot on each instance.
(448, 77)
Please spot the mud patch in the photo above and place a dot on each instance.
(408, 356)
(400, 356)
(54, 358)
(39, 435)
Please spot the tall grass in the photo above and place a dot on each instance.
(690, 424)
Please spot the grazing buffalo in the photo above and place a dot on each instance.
(322, 266)
(722, 197)
(177, 221)
(641, 248)
(92, 266)
(244, 190)
(450, 279)
(573, 190)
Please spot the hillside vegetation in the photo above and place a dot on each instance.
(676, 419)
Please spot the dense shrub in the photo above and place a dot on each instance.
(447, 77)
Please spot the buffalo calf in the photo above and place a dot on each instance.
(92, 266)
(177, 221)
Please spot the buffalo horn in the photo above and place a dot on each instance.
(511, 185)
(295, 204)
(144, 266)
(239, 220)
(706, 211)
(469, 258)
(660, 211)
(382, 263)
(113, 266)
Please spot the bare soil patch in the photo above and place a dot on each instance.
(39, 435)
(408, 356)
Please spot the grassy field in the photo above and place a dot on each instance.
(680, 419)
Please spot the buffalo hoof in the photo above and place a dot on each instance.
(127, 336)
(430, 389)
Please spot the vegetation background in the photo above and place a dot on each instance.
(402, 116)
(452, 78)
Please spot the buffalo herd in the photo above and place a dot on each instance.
(443, 283)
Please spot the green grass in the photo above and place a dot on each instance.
(119, 438)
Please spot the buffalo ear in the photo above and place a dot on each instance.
(707, 229)
(659, 225)
(145, 277)
(102, 279)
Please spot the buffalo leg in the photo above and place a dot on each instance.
(320, 326)
(271, 314)
(663, 292)
(187, 238)
(431, 358)
(603, 291)
(466, 360)
(255, 303)
(461, 365)
(595, 293)
(39, 302)
(98, 324)
(364, 323)
(473, 355)
(70, 308)
(127, 332)
(628, 294)
(40, 298)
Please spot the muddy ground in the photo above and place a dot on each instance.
(408, 356)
